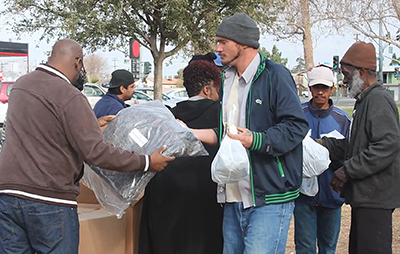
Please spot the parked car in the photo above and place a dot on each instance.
(93, 93)
(179, 93)
(166, 100)
(3, 112)
(5, 89)
(138, 97)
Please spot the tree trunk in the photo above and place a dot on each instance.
(158, 72)
(396, 7)
(307, 37)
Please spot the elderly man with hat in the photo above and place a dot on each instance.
(272, 125)
(369, 179)
(120, 89)
(317, 218)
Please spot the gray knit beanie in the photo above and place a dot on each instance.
(241, 29)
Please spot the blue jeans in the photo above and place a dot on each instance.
(32, 227)
(315, 225)
(256, 230)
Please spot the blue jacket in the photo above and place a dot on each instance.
(323, 121)
(275, 117)
(109, 104)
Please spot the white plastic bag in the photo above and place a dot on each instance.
(315, 158)
(231, 163)
(315, 162)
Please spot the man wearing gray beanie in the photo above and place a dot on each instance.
(240, 28)
(260, 98)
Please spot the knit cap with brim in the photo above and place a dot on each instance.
(241, 29)
(361, 55)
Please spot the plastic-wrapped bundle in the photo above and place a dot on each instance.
(142, 128)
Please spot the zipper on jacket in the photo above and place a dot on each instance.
(280, 167)
(221, 124)
(260, 69)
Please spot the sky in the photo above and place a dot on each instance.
(324, 49)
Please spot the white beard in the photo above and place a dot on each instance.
(357, 85)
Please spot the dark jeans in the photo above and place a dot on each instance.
(32, 227)
(371, 231)
(316, 225)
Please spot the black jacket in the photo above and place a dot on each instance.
(372, 153)
(180, 211)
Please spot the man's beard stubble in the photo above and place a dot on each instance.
(356, 85)
(239, 53)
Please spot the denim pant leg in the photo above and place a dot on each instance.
(232, 230)
(52, 229)
(328, 229)
(256, 230)
(13, 235)
(268, 228)
(305, 228)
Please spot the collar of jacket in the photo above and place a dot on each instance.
(320, 113)
(365, 93)
(117, 98)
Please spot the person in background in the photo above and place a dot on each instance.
(317, 218)
(180, 213)
(272, 126)
(50, 131)
(120, 89)
(369, 179)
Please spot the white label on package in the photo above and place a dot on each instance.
(138, 137)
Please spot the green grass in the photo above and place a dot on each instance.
(348, 109)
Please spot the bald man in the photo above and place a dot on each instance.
(50, 130)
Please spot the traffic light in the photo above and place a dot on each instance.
(134, 49)
(335, 66)
(396, 72)
(146, 68)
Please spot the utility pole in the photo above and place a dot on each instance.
(115, 60)
(380, 51)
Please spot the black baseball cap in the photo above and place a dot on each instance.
(120, 78)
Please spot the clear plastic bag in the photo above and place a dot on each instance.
(309, 186)
(231, 163)
(142, 128)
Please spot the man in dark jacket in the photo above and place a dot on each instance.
(370, 177)
(272, 125)
(120, 89)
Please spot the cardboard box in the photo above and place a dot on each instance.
(102, 233)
